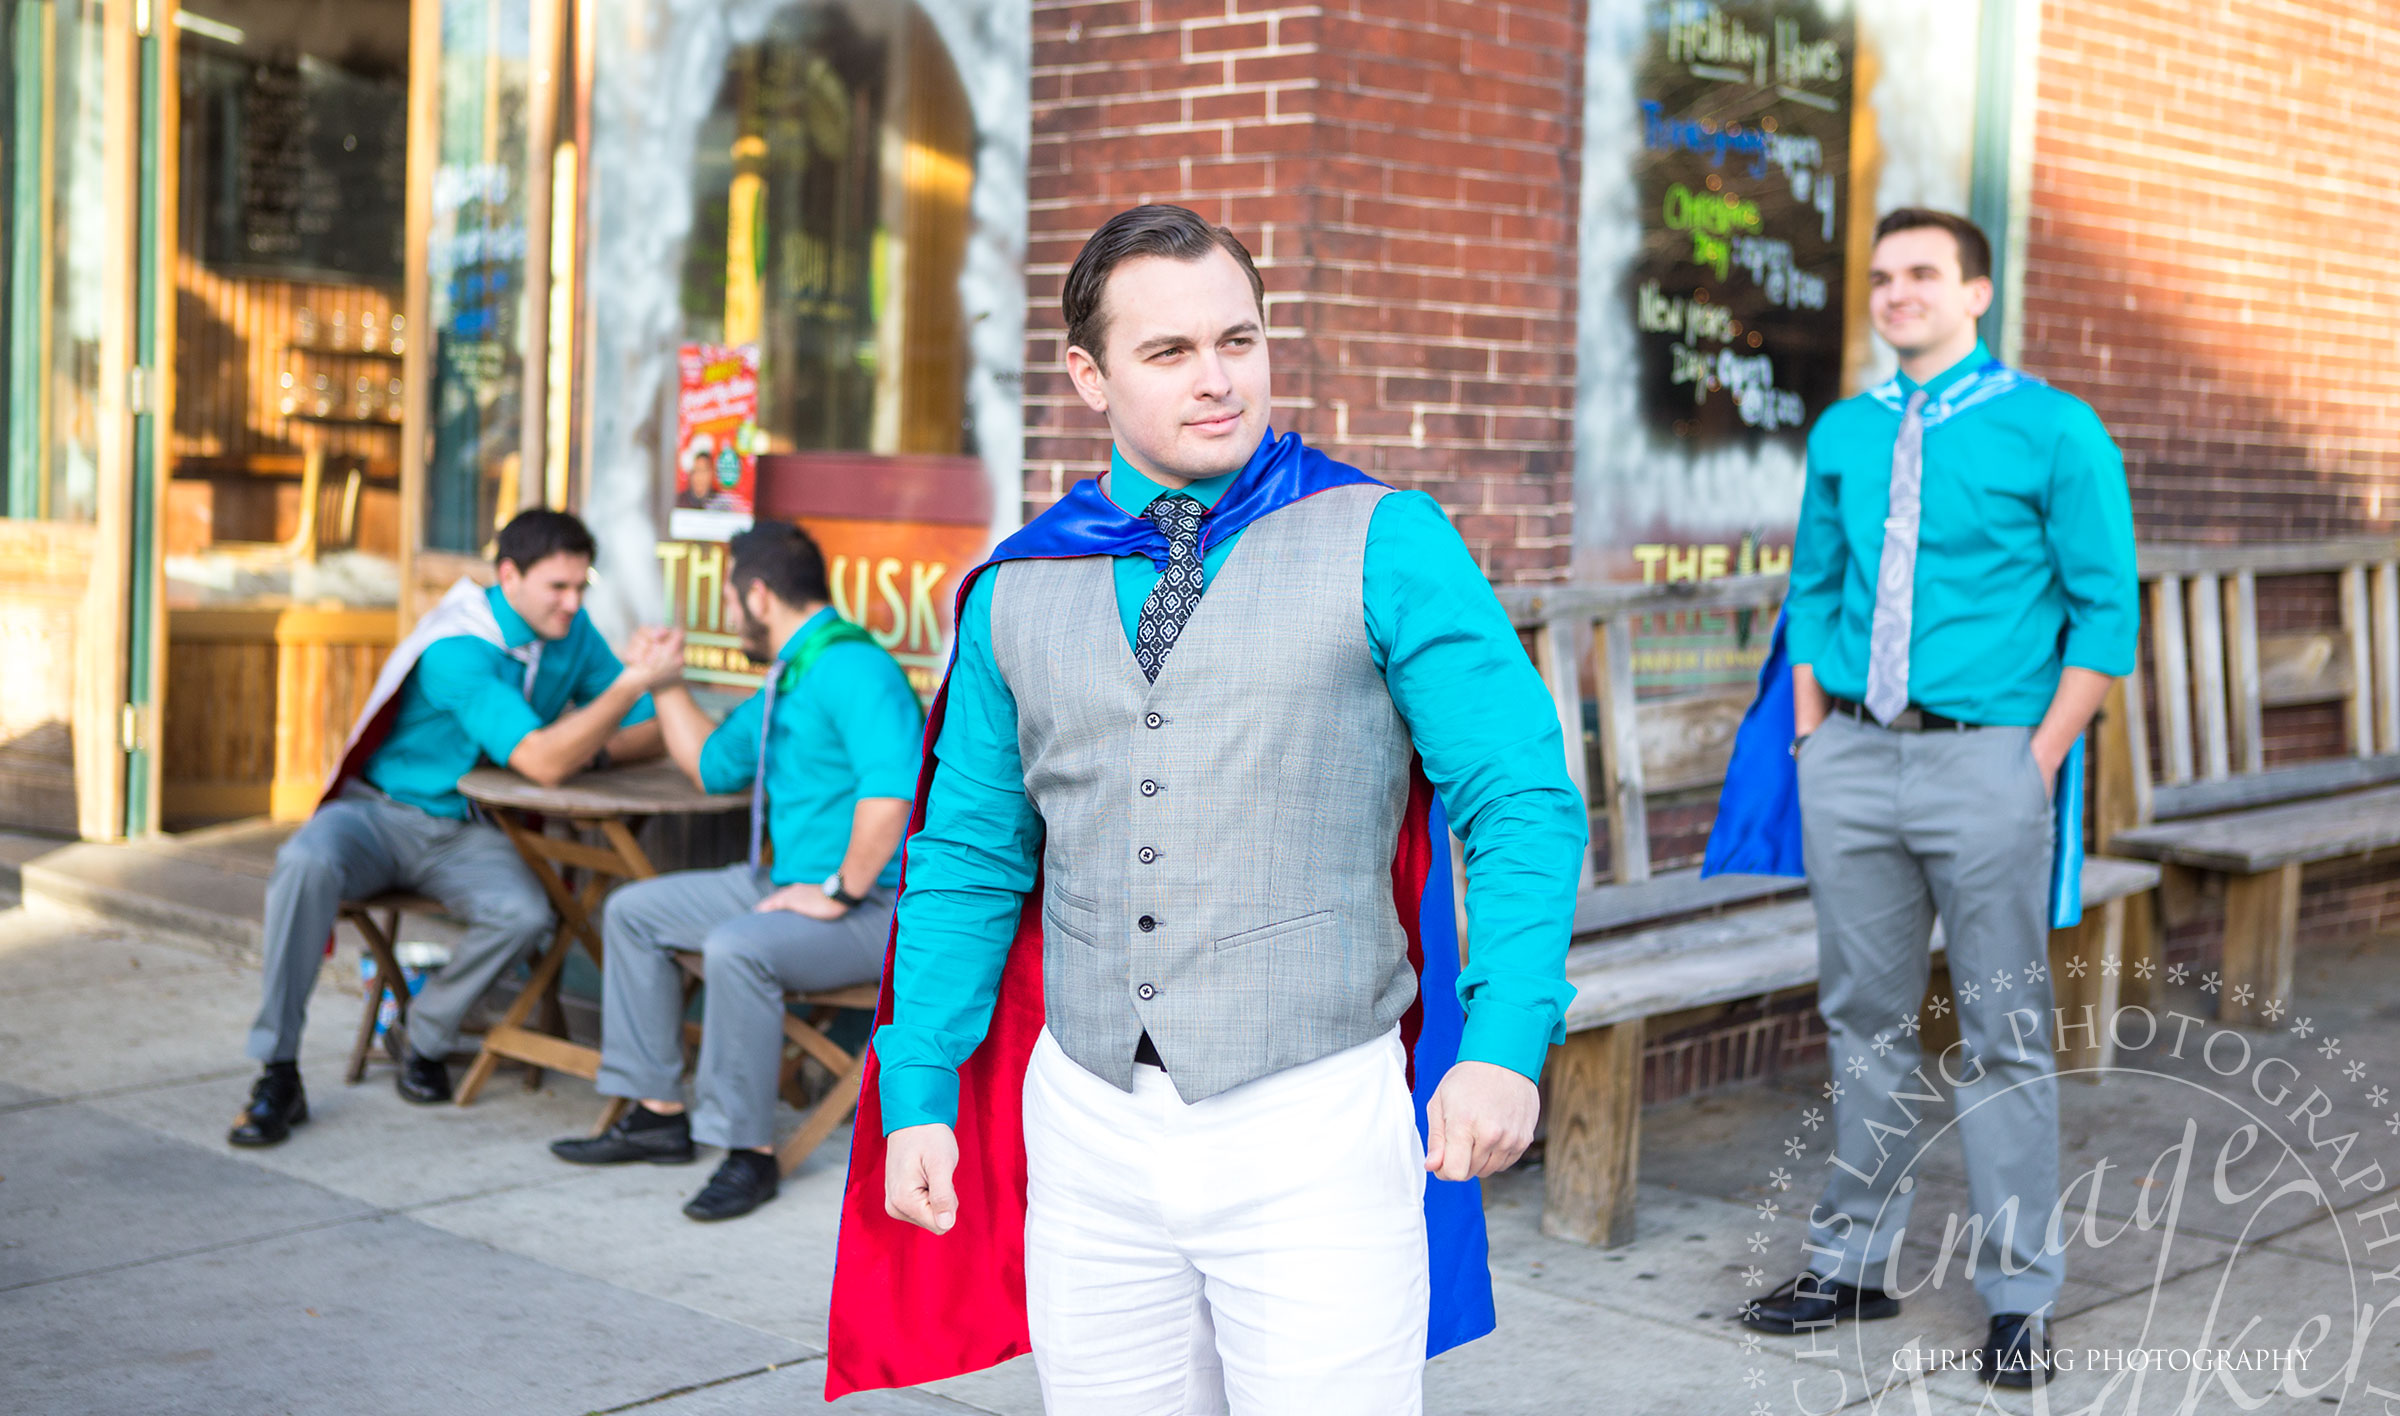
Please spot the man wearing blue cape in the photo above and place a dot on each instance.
(1175, 1025)
(1963, 589)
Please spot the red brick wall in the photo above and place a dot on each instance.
(1405, 172)
(2209, 257)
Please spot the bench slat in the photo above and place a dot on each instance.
(1687, 965)
(2305, 666)
(1741, 955)
(2248, 842)
(1671, 895)
(2276, 786)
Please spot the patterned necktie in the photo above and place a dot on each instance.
(758, 779)
(1896, 576)
(1170, 605)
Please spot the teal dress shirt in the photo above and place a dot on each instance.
(466, 701)
(851, 729)
(2025, 561)
(1481, 720)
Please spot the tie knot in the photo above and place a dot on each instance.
(1916, 403)
(1177, 518)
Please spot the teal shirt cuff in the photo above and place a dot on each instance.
(915, 1093)
(2100, 650)
(1804, 635)
(729, 755)
(1508, 1036)
(642, 711)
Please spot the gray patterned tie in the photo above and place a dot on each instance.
(1896, 576)
(758, 779)
(1171, 604)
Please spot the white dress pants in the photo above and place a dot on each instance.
(1263, 1248)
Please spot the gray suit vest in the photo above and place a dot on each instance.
(1218, 868)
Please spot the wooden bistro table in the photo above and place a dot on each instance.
(601, 810)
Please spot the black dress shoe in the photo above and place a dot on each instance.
(639, 1134)
(744, 1182)
(277, 1104)
(2016, 1353)
(423, 1080)
(1813, 1301)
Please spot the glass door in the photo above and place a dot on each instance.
(76, 720)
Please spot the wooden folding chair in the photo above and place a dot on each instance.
(806, 1035)
(381, 936)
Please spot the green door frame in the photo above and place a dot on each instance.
(28, 253)
(141, 629)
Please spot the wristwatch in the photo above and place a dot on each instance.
(834, 892)
(1795, 749)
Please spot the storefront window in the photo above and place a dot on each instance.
(476, 261)
(290, 331)
(809, 172)
(57, 204)
(829, 191)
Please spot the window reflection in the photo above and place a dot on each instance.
(476, 260)
(829, 227)
(58, 240)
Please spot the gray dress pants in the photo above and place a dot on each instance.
(751, 960)
(363, 844)
(1900, 827)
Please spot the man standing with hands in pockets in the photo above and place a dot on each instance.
(1963, 589)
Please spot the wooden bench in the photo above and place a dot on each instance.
(1682, 944)
(2217, 811)
(1621, 985)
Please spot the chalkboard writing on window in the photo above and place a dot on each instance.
(302, 168)
(1743, 179)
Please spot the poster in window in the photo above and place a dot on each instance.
(717, 442)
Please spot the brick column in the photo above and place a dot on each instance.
(1408, 186)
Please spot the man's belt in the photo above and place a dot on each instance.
(1912, 719)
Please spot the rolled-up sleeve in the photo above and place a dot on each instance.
(1484, 725)
(729, 758)
(1820, 558)
(483, 689)
(877, 718)
(2089, 531)
(970, 866)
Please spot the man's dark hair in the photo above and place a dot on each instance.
(1177, 233)
(534, 536)
(1974, 248)
(783, 558)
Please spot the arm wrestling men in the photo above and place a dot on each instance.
(515, 674)
(828, 749)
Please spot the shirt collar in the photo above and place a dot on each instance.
(1941, 383)
(798, 637)
(1133, 490)
(514, 631)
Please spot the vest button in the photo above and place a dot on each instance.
(1146, 993)
(1149, 789)
(1145, 924)
(1152, 721)
(1147, 855)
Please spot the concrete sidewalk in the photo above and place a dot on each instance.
(410, 1260)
